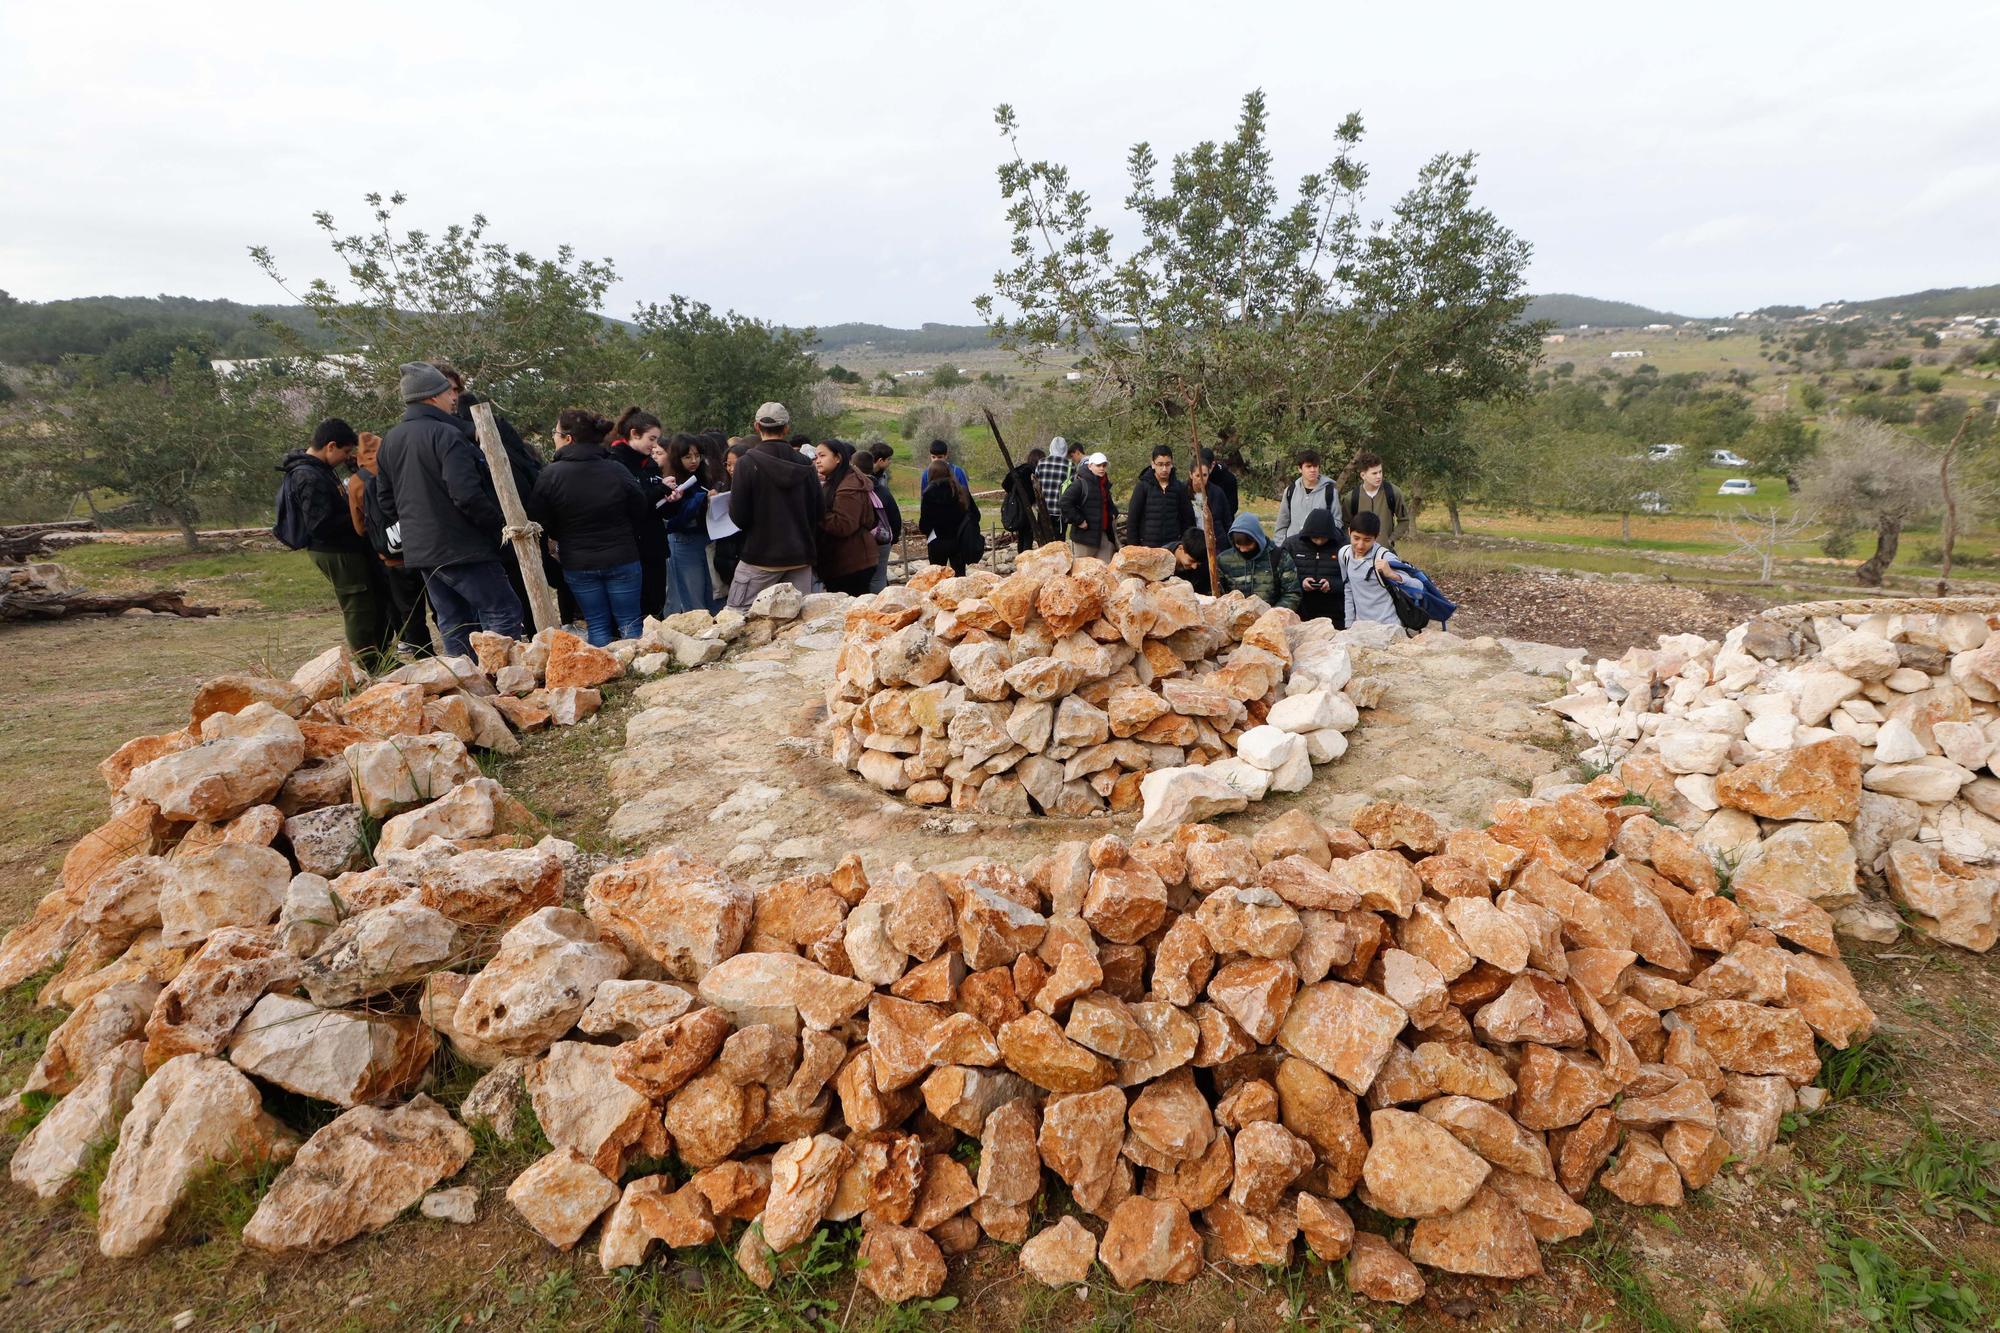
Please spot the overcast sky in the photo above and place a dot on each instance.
(814, 163)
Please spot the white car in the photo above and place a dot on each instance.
(1662, 451)
(1724, 458)
(1737, 486)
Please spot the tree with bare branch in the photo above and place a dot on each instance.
(1868, 474)
(1759, 533)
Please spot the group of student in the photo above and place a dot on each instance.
(633, 522)
(1331, 557)
(637, 523)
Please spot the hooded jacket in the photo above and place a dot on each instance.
(431, 480)
(1318, 562)
(1298, 500)
(1266, 572)
(1052, 477)
(590, 505)
(775, 498)
(317, 494)
(1157, 516)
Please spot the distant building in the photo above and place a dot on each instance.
(1627, 356)
(1555, 337)
(1659, 328)
(1073, 376)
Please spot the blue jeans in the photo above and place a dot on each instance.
(687, 574)
(469, 597)
(609, 600)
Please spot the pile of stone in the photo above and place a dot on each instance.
(1210, 1040)
(1824, 761)
(1076, 687)
(691, 639)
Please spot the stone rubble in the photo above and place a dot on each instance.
(1840, 766)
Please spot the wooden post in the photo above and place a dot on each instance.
(525, 537)
(1198, 483)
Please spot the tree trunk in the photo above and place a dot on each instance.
(1625, 527)
(185, 519)
(1949, 537)
(1888, 533)
(1451, 508)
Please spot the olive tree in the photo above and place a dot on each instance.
(1294, 324)
(1870, 475)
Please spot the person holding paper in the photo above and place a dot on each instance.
(684, 510)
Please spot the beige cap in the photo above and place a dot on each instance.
(773, 414)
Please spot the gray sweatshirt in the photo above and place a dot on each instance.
(1292, 517)
(1367, 599)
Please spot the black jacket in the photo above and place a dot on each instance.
(318, 495)
(643, 470)
(775, 498)
(430, 479)
(1223, 479)
(1220, 478)
(522, 460)
(1083, 509)
(1318, 562)
(939, 516)
(591, 507)
(1156, 516)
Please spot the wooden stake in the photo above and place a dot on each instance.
(1198, 483)
(525, 536)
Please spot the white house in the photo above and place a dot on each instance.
(1627, 356)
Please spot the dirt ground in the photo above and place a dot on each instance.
(1605, 616)
(726, 763)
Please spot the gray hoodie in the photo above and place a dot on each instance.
(1291, 518)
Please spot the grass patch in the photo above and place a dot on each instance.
(89, 1178)
(1867, 1069)
(219, 1201)
(1945, 1177)
(1614, 1269)
(24, 1032)
(1864, 1281)
(268, 580)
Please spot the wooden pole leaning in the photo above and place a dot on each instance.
(525, 536)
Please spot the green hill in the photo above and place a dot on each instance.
(1944, 302)
(43, 332)
(1567, 311)
(929, 338)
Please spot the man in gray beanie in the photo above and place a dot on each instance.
(432, 481)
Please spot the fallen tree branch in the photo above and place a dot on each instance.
(62, 606)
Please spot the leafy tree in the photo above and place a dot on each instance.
(702, 369)
(946, 376)
(1295, 324)
(170, 447)
(840, 374)
(150, 352)
(523, 330)
(1868, 475)
(1778, 445)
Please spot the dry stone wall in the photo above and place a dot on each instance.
(1215, 1041)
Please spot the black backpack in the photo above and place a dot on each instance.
(1408, 611)
(1014, 515)
(292, 529)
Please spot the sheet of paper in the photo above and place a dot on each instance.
(720, 525)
